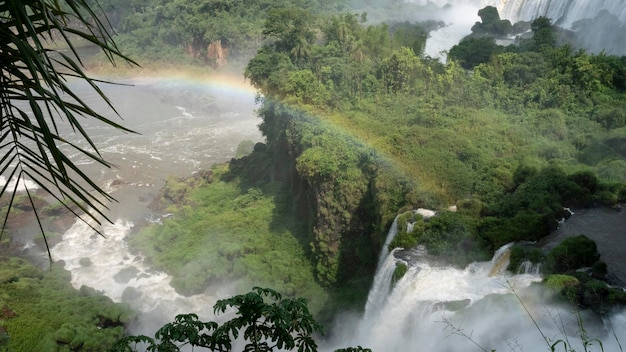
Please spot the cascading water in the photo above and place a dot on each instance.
(562, 12)
(384, 272)
(528, 267)
(106, 264)
(460, 15)
(442, 308)
(382, 285)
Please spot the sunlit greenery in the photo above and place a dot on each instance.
(41, 311)
(231, 232)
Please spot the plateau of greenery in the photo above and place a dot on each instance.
(41, 311)
(223, 228)
(378, 127)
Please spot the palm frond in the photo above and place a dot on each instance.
(35, 99)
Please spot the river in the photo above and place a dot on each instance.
(185, 123)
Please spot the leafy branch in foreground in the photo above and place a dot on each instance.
(36, 100)
(265, 320)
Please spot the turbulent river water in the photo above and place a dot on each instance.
(184, 124)
(481, 307)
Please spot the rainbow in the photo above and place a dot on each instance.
(197, 79)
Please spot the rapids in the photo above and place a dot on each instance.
(184, 124)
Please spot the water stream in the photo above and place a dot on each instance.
(184, 125)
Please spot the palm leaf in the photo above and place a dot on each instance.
(36, 77)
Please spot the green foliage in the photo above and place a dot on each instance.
(558, 282)
(263, 318)
(232, 231)
(571, 254)
(491, 24)
(398, 273)
(471, 52)
(503, 142)
(181, 31)
(543, 34)
(452, 236)
(265, 326)
(405, 238)
(244, 148)
(43, 312)
(521, 253)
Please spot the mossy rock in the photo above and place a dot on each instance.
(130, 294)
(571, 254)
(558, 282)
(125, 275)
(399, 272)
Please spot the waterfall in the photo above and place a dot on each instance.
(412, 313)
(460, 15)
(528, 267)
(562, 12)
(384, 252)
(381, 286)
(384, 271)
(433, 305)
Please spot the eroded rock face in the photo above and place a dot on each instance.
(216, 54)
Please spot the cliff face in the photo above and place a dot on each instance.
(347, 194)
(217, 54)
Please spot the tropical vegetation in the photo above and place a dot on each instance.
(360, 126)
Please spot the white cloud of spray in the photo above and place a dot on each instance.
(98, 262)
(433, 307)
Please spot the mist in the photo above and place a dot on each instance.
(596, 26)
(436, 307)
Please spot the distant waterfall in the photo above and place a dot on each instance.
(382, 285)
(384, 252)
(460, 15)
(562, 12)
(528, 267)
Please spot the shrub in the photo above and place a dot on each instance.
(398, 273)
(558, 282)
(571, 254)
(520, 254)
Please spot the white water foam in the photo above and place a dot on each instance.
(95, 261)
(22, 184)
(442, 308)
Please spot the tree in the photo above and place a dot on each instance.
(35, 100)
(289, 27)
(267, 321)
(471, 52)
(543, 34)
(279, 323)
